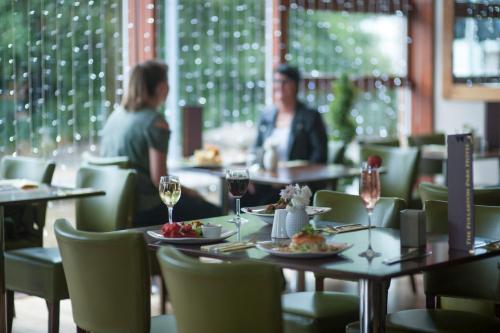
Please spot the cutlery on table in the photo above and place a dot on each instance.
(408, 256)
(227, 247)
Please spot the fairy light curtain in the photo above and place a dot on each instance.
(60, 73)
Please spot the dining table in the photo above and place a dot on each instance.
(439, 154)
(10, 195)
(373, 274)
(287, 173)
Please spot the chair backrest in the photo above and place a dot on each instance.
(348, 208)
(27, 168)
(217, 297)
(336, 150)
(488, 196)
(478, 280)
(427, 139)
(114, 210)
(108, 279)
(426, 166)
(117, 161)
(400, 165)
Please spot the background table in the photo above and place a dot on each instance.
(373, 276)
(39, 194)
(302, 174)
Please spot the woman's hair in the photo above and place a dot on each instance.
(144, 78)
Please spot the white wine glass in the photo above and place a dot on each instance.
(170, 193)
(369, 190)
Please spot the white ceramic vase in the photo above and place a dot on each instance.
(270, 159)
(296, 220)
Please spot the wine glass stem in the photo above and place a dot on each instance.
(238, 209)
(370, 211)
(170, 209)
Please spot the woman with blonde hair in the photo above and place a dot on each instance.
(137, 130)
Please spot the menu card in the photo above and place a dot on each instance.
(460, 192)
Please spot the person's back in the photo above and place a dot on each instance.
(131, 134)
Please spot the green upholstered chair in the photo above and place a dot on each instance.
(108, 281)
(33, 169)
(99, 161)
(428, 167)
(38, 271)
(467, 293)
(387, 142)
(336, 150)
(233, 288)
(222, 297)
(348, 208)
(401, 169)
(488, 196)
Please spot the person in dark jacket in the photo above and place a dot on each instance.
(297, 131)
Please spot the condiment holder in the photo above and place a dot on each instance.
(279, 224)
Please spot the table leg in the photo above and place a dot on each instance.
(372, 305)
(3, 298)
(223, 195)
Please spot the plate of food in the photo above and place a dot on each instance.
(188, 233)
(208, 157)
(308, 243)
(266, 212)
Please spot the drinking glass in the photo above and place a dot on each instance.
(237, 184)
(170, 192)
(369, 190)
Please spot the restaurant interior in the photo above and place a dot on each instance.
(249, 166)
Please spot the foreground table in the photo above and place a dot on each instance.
(373, 276)
(18, 196)
(301, 174)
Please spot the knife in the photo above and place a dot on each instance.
(408, 256)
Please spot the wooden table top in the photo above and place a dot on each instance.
(301, 174)
(347, 265)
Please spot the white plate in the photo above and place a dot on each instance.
(268, 218)
(156, 234)
(273, 249)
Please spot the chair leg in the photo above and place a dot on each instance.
(413, 284)
(80, 330)
(319, 282)
(53, 316)
(430, 301)
(301, 281)
(163, 296)
(10, 310)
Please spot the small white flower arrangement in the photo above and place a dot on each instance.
(296, 197)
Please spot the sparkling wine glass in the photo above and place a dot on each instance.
(237, 184)
(170, 192)
(369, 190)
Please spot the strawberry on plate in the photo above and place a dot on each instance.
(182, 230)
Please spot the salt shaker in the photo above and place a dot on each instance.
(279, 224)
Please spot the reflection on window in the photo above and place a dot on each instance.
(476, 43)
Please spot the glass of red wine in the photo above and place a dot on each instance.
(237, 184)
(369, 191)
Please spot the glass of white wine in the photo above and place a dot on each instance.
(170, 192)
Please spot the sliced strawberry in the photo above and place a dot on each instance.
(374, 161)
